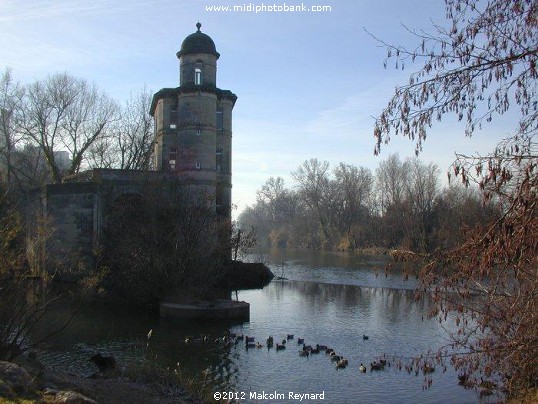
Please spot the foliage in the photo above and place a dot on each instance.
(476, 68)
(484, 65)
(401, 206)
(242, 241)
(153, 245)
(25, 293)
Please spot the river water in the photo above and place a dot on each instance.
(329, 299)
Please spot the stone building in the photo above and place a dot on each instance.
(193, 122)
(192, 153)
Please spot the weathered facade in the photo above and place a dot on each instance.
(192, 153)
(193, 122)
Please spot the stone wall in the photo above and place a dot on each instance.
(74, 212)
(77, 209)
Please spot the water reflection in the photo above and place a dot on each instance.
(332, 267)
(332, 310)
(338, 316)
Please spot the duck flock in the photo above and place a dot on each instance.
(304, 350)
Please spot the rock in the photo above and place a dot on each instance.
(68, 397)
(246, 275)
(14, 377)
(31, 364)
(72, 397)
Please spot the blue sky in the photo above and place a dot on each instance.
(308, 84)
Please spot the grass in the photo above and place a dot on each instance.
(171, 381)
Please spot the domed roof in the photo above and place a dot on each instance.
(198, 43)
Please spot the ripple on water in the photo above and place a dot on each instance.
(327, 313)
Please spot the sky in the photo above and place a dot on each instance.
(309, 85)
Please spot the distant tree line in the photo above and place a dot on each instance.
(401, 205)
(61, 124)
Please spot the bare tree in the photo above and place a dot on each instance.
(315, 188)
(353, 200)
(279, 203)
(25, 292)
(480, 67)
(154, 243)
(422, 187)
(391, 179)
(63, 112)
(129, 144)
(11, 94)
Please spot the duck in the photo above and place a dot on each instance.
(428, 369)
(365, 337)
(336, 358)
(249, 339)
(362, 368)
(303, 353)
(269, 342)
(342, 363)
(280, 347)
(239, 337)
(300, 341)
(314, 350)
(189, 339)
(250, 345)
(329, 351)
(289, 336)
(283, 342)
(307, 347)
(376, 366)
(321, 347)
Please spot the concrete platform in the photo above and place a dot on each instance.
(217, 309)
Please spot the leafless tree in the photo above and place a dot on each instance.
(64, 112)
(353, 202)
(422, 187)
(11, 94)
(129, 144)
(391, 179)
(25, 293)
(315, 188)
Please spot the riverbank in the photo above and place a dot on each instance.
(29, 381)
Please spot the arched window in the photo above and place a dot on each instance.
(198, 77)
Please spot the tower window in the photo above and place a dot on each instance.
(219, 120)
(198, 77)
(219, 160)
(173, 117)
(172, 158)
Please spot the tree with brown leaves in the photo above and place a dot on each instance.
(482, 66)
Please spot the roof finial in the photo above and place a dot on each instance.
(198, 25)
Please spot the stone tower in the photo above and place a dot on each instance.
(193, 124)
